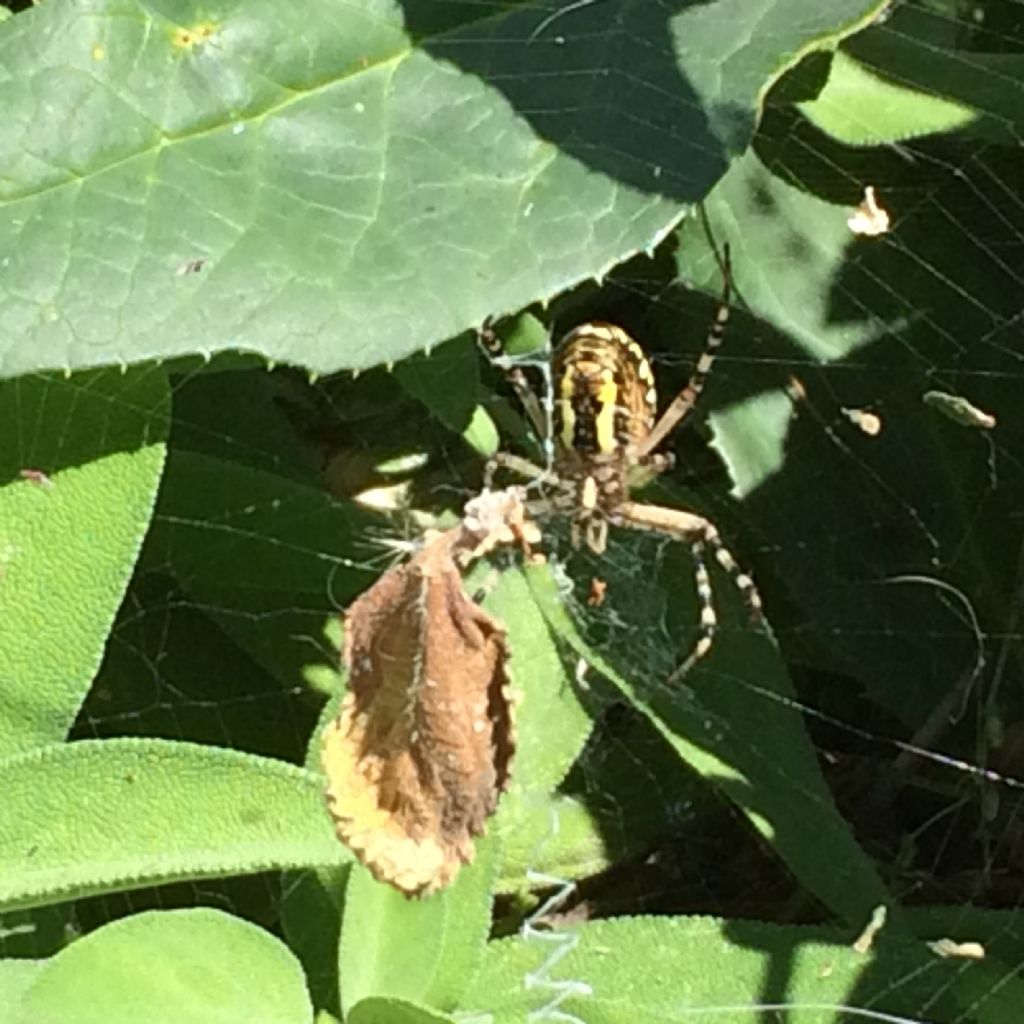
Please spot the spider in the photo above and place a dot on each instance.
(606, 432)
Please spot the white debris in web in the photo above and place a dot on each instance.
(869, 219)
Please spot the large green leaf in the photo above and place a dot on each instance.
(425, 951)
(337, 186)
(80, 463)
(859, 107)
(551, 721)
(171, 967)
(641, 970)
(105, 816)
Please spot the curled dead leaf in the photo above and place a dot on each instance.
(422, 747)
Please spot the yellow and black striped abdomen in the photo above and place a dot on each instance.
(604, 391)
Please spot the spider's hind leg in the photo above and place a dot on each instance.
(741, 580)
(705, 596)
(708, 618)
(700, 534)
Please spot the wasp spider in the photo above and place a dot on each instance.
(606, 432)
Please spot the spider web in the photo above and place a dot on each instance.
(891, 564)
(887, 548)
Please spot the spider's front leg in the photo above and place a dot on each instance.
(522, 468)
(512, 368)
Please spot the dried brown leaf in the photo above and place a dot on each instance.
(421, 749)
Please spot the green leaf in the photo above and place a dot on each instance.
(424, 951)
(105, 816)
(862, 108)
(552, 723)
(447, 382)
(652, 970)
(481, 433)
(393, 1011)
(180, 966)
(750, 436)
(311, 922)
(982, 92)
(627, 792)
(524, 336)
(313, 902)
(16, 978)
(340, 186)
(789, 248)
(552, 835)
(80, 462)
(172, 671)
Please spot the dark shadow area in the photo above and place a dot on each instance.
(602, 81)
(76, 420)
(170, 671)
(674, 845)
(904, 975)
